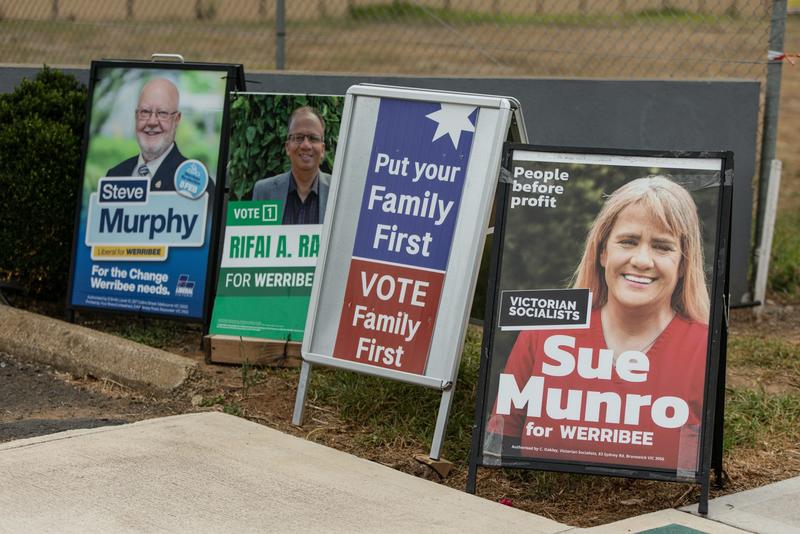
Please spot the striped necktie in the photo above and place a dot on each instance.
(143, 171)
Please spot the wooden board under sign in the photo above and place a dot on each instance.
(253, 351)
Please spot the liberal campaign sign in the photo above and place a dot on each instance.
(145, 223)
(411, 199)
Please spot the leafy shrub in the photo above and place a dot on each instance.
(40, 151)
(259, 125)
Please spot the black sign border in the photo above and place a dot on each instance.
(234, 74)
(713, 398)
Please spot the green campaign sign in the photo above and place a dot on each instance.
(281, 157)
(266, 273)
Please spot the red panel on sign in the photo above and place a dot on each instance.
(388, 316)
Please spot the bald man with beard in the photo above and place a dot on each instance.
(157, 117)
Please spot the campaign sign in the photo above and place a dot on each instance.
(145, 219)
(266, 273)
(603, 308)
(269, 253)
(414, 183)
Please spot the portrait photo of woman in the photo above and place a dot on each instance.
(643, 262)
(628, 388)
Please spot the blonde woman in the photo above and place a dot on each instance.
(629, 388)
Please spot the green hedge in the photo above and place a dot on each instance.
(40, 149)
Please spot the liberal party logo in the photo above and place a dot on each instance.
(185, 287)
(191, 179)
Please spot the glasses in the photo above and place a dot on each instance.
(145, 114)
(297, 139)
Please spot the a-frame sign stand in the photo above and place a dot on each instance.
(413, 265)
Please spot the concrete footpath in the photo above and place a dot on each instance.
(211, 472)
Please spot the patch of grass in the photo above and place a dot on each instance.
(752, 417)
(398, 413)
(675, 14)
(229, 407)
(784, 269)
(408, 12)
(153, 332)
(250, 377)
(233, 408)
(539, 485)
(213, 401)
(766, 353)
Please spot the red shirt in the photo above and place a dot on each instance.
(624, 422)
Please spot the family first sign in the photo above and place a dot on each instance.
(412, 191)
(405, 231)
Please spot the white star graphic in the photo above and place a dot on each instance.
(452, 119)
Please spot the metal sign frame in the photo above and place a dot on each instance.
(358, 127)
(234, 75)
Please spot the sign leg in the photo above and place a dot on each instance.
(719, 415)
(702, 507)
(302, 390)
(441, 422)
(472, 475)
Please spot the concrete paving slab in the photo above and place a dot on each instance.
(668, 521)
(212, 472)
(81, 351)
(774, 508)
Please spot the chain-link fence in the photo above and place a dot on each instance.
(584, 38)
(673, 39)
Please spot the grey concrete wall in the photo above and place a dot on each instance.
(636, 114)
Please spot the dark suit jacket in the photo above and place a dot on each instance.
(277, 187)
(165, 174)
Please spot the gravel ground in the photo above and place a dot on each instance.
(37, 400)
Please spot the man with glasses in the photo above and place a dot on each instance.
(304, 188)
(157, 119)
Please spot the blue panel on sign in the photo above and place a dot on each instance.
(414, 182)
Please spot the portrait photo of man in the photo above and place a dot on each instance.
(157, 116)
(304, 187)
(160, 234)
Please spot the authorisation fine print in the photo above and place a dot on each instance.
(601, 311)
